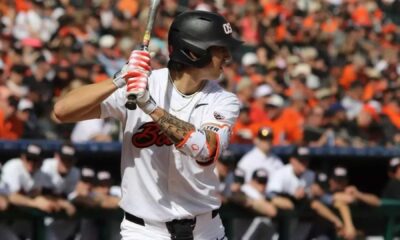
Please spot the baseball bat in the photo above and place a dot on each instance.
(131, 98)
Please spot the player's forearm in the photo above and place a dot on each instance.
(345, 213)
(21, 200)
(325, 212)
(176, 129)
(83, 103)
(369, 199)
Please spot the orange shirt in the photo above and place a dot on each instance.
(257, 112)
(287, 128)
(393, 115)
(349, 75)
(242, 133)
(10, 129)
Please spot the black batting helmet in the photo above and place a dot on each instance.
(196, 32)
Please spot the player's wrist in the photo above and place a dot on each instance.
(119, 77)
(146, 103)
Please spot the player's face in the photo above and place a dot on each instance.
(219, 57)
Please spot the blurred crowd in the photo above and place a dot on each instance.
(318, 72)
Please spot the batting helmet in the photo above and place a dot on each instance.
(195, 32)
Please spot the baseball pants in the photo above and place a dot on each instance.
(207, 228)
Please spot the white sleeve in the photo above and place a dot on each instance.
(10, 179)
(275, 184)
(221, 118)
(114, 105)
(225, 112)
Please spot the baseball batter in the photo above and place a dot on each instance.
(171, 141)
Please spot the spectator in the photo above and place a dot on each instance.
(286, 125)
(98, 130)
(11, 127)
(392, 188)
(27, 115)
(257, 111)
(242, 132)
(260, 157)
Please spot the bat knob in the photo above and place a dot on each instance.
(131, 102)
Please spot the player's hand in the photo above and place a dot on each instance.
(137, 73)
(43, 204)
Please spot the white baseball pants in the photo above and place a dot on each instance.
(207, 228)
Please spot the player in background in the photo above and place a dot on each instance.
(64, 177)
(171, 141)
(26, 184)
(260, 156)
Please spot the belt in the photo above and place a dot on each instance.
(140, 221)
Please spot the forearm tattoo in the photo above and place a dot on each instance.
(175, 129)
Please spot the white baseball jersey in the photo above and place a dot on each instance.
(16, 178)
(286, 182)
(256, 159)
(159, 183)
(60, 184)
(251, 192)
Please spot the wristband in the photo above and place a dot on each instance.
(119, 79)
(147, 103)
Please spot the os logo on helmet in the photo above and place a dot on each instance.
(227, 28)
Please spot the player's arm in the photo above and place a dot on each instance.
(181, 132)
(83, 103)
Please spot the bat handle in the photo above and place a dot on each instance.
(131, 101)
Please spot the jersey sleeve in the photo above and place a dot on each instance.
(275, 185)
(224, 111)
(114, 105)
(10, 180)
(220, 119)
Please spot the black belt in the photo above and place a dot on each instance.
(140, 221)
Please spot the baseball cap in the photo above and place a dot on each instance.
(265, 133)
(302, 154)
(339, 173)
(107, 41)
(244, 83)
(87, 174)
(323, 93)
(249, 59)
(275, 100)
(394, 163)
(227, 157)
(33, 152)
(322, 180)
(25, 104)
(238, 176)
(260, 175)
(263, 91)
(104, 178)
(67, 152)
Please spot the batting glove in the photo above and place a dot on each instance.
(136, 79)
